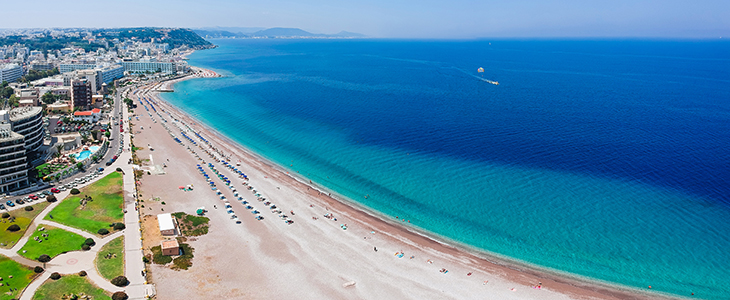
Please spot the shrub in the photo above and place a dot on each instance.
(75, 191)
(28, 208)
(38, 269)
(6, 215)
(145, 259)
(13, 228)
(82, 273)
(44, 258)
(90, 242)
(51, 198)
(119, 226)
(119, 169)
(85, 247)
(55, 276)
(120, 296)
(103, 231)
(120, 281)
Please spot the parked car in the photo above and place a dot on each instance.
(55, 190)
(2, 206)
(10, 203)
(34, 197)
(101, 169)
(19, 201)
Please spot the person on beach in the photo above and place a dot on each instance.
(375, 248)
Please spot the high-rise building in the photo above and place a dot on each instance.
(28, 122)
(81, 94)
(10, 72)
(13, 164)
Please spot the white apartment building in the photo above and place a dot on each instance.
(10, 72)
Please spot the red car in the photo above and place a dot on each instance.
(121, 130)
(55, 190)
(32, 196)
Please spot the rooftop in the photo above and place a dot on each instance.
(167, 244)
(165, 222)
(17, 114)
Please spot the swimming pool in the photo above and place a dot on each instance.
(86, 153)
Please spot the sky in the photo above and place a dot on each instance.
(439, 19)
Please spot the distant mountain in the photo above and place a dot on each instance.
(279, 32)
(348, 34)
(212, 34)
(282, 32)
(242, 30)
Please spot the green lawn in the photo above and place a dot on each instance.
(47, 168)
(58, 241)
(22, 276)
(114, 265)
(69, 284)
(23, 219)
(191, 225)
(104, 209)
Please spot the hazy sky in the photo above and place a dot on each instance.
(394, 18)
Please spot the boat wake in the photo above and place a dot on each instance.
(477, 77)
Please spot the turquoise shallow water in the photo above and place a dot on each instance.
(604, 159)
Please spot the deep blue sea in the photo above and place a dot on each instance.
(604, 159)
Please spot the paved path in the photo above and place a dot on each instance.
(134, 266)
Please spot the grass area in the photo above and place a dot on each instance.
(57, 241)
(47, 168)
(22, 276)
(23, 219)
(185, 260)
(181, 262)
(110, 259)
(69, 284)
(157, 256)
(191, 225)
(104, 209)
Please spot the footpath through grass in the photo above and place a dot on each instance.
(22, 276)
(23, 219)
(110, 259)
(55, 242)
(69, 284)
(104, 208)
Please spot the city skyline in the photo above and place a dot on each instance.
(399, 19)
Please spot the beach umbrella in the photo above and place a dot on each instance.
(181, 187)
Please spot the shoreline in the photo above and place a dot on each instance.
(512, 270)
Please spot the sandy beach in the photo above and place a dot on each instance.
(332, 250)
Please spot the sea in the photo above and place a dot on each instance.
(607, 160)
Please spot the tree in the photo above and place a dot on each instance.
(75, 191)
(120, 296)
(82, 273)
(90, 242)
(103, 231)
(120, 281)
(44, 258)
(48, 98)
(51, 198)
(38, 269)
(55, 276)
(28, 208)
(119, 226)
(6, 215)
(13, 228)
